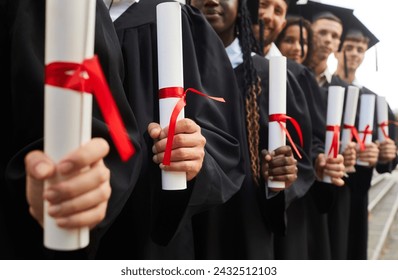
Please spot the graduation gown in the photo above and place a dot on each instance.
(22, 64)
(294, 243)
(360, 183)
(156, 224)
(243, 227)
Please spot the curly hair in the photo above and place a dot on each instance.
(252, 85)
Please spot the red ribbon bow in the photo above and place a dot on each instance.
(354, 133)
(366, 132)
(282, 118)
(57, 75)
(383, 126)
(179, 93)
(334, 147)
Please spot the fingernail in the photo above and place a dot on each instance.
(154, 149)
(43, 168)
(54, 209)
(65, 167)
(50, 195)
(155, 159)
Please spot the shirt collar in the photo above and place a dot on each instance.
(324, 77)
(273, 51)
(118, 7)
(234, 53)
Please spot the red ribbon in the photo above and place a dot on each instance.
(354, 133)
(366, 132)
(382, 126)
(70, 75)
(177, 92)
(282, 118)
(334, 147)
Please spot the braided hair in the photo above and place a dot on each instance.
(252, 85)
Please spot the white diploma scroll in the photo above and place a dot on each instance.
(382, 118)
(69, 37)
(170, 64)
(366, 116)
(277, 105)
(333, 119)
(349, 115)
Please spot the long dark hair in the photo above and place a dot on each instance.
(252, 85)
(303, 23)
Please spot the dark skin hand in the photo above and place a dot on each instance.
(279, 165)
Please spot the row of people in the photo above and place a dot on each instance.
(227, 211)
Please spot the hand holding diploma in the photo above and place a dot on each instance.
(76, 194)
(188, 151)
(279, 166)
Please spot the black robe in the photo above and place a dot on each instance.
(243, 227)
(156, 224)
(305, 225)
(138, 211)
(360, 183)
(22, 33)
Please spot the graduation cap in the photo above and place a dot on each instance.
(358, 31)
(315, 10)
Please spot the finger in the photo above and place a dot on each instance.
(287, 178)
(84, 156)
(283, 170)
(180, 141)
(83, 182)
(88, 218)
(38, 165)
(154, 130)
(81, 203)
(181, 154)
(182, 166)
(284, 150)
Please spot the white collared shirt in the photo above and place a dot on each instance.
(356, 83)
(324, 78)
(235, 53)
(118, 7)
(273, 51)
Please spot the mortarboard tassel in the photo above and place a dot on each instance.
(301, 37)
(345, 64)
(261, 37)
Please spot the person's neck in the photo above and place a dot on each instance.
(319, 67)
(350, 75)
(266, 49)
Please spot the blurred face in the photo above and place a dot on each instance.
(273, 13)
(355, 54)
(327, 35)
(221, 14)
(290, 43)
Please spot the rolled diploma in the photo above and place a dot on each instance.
(333, 118)
(170, 64)
(70, 28)
(277, 105)
(382, 117)
(349, 115)
(366, 115)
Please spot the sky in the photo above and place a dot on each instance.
(382, 20)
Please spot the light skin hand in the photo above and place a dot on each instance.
(188, 151)
(350, 155)
(387, 150)
(370, 154)
(333, 167)
(279, 165)
(78, 187)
